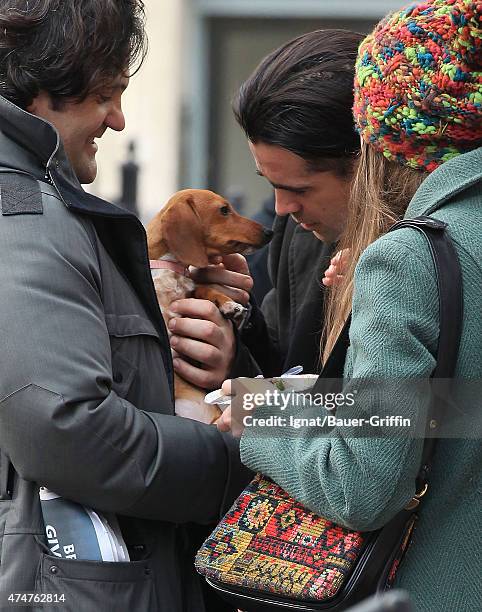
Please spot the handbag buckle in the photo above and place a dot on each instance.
(415, 501)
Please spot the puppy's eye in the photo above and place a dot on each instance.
(224, 210)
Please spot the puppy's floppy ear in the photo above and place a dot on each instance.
(182, 232)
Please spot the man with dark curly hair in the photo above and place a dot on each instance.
(86, 390)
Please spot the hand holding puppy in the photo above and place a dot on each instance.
(232, 272)
(203, 340)
(200, 335)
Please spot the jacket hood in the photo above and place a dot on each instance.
(449, 179)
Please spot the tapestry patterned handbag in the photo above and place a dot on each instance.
(270, 553)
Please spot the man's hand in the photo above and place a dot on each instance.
(200, 333)
(232, 272)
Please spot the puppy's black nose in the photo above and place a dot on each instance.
(268, 234)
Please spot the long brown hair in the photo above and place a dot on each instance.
(380, 194)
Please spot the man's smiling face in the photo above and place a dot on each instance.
(315, 199)
(79, 123)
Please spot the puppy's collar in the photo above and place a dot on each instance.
(163, 264)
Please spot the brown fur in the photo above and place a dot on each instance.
(192, 228)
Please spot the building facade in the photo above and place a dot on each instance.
(178, 107)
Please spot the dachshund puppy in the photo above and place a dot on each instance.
(195, 225)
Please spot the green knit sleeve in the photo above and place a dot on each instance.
(362, 482)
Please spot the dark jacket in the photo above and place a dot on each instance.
(86, 392)
(286, 330)
(258, 261)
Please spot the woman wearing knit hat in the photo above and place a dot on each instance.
(418, 108)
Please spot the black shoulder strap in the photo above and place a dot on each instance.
(449, 282)
(450, 291)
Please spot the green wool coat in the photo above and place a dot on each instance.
(363, 482)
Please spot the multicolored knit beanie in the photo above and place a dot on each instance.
(418, 83)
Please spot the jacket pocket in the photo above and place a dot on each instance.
(126, 334)
(123, 326)
(83, 586)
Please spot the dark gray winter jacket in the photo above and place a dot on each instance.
(86, 392)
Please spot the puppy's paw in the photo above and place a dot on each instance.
(232, 310)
